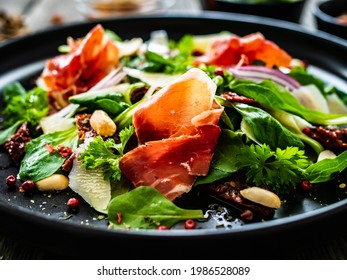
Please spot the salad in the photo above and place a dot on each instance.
(134, 127)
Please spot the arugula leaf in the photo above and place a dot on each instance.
(24, 106)
(281, 170)
(38, 163)
(100, 153)
(146, 208)
(179, 62)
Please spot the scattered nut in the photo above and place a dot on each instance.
(55, 182)
(102, 123)
(261, 196)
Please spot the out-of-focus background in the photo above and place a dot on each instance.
(18, 17)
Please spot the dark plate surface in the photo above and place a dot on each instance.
(43, 219)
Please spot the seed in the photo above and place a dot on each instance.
(28, 186)
(72, 203)
(189, 224)
(219, 72)
(162, 227)
(102, 123)
(306, 185)
(11, 181)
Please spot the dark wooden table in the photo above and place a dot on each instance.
(328, 241)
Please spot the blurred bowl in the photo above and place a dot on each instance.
(289, 10)
(329, 17)
(99, 9)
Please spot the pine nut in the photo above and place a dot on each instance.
(102, 123)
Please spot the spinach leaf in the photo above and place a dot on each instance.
(271, 95)
(146, 208)
(224, 159)
(38, 163)
(264, 129)
(326, 169)
(300, 74)
(296, 125)
(113, 103)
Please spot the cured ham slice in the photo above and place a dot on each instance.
(89, 60)
(244, 51)
(172, 110)
(177, 132)
(171, 165)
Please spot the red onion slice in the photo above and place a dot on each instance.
(261, 73)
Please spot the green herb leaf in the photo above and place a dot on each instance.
(102, 153)
(146, 208)
(281, 170)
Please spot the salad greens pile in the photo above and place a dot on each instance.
(264, 138)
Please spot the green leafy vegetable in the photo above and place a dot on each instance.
(24, 106)
(177, 63)
(112, 35)
(263, 128)
(224, 159)
(270, 95)
(326, 169)
(281, 170)
(8, 132)
(296, 125)
(125, 118)
(103, 153)
(146, 208)
(38, 163)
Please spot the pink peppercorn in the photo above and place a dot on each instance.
(190, 224)
(306, 185)
(72, 203)
(28, 186)
(219, 72)
(162, 227)
(11, 181)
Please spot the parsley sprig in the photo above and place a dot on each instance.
(106, 154)
(281, 170)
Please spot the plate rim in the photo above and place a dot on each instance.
(272, 225)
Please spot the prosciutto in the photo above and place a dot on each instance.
(90, 59)
(244, 51)
(177, 133)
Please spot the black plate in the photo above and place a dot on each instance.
(43, 220)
